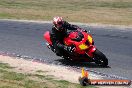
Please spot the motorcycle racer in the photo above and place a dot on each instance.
(57, 34)
(63, 42)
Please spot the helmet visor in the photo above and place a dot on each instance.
(60, 23)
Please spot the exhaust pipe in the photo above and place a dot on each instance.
(48, 45)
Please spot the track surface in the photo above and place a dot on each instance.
(27, 39)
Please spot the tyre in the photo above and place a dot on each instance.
(100, 58)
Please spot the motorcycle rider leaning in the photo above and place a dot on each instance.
(57, 34)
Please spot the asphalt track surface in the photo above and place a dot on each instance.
(26, 39)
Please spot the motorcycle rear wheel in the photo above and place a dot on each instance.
(100, 58)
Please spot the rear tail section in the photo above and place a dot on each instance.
(47, 37)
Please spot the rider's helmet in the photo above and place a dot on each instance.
(58, 22)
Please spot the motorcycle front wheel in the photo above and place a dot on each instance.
(100, 58)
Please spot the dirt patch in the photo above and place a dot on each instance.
(58, 72)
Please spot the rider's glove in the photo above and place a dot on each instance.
(69, 49)
(84, 30)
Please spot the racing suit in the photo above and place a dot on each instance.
(58, 36)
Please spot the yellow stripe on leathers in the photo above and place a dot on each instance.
(84, 73)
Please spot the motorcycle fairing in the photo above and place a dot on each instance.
(90, 51)
(81, 46)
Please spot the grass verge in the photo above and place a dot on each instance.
(86, 11)
(10, 79)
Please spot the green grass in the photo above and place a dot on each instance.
(14, 76)
(87, 11)
(47, 77)
(5, 66)
(65, 4)
(10, 79)
(40, 71)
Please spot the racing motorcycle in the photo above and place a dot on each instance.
(83, 47)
